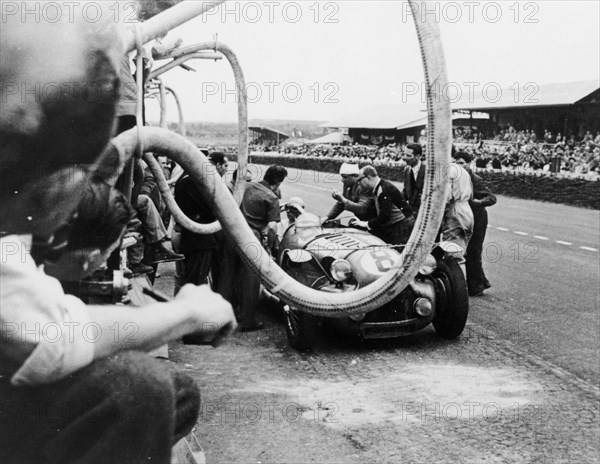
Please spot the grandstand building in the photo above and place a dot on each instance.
(567, 108)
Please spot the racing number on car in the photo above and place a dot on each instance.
(383, 260)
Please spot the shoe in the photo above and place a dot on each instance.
(252, 328)
(162, 255)
(486, 284)
(140, 268)
(479, 293)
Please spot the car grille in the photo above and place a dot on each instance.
(399, 309)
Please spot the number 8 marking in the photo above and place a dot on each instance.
(382, 260)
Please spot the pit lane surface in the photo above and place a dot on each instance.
(497, 394)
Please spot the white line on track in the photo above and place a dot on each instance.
(314, 186)
(502, 229)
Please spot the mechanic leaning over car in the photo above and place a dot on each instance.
(354, 198)
(394, 220)
(260, 207)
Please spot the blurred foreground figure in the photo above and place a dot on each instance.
(70, 388)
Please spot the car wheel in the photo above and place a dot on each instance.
(301, 328)
(453, 296)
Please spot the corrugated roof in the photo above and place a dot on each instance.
(334, 137)
(269, 131)
(379, 117)
(390, 117)
(527, 95)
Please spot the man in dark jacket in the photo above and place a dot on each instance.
(414, 175)
(482, 198)
(395, 220)
(201, 251)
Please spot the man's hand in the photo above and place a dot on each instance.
(338, 196)
(211, 313)
(361, 224)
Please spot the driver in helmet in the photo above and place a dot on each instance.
(354, 197)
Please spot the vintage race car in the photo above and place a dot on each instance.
(340, 258)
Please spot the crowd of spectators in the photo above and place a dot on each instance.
(522, 151)
(511, 150)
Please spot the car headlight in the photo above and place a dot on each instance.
(428, 266)
(341, 270)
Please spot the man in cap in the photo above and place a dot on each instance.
(294, 207)
(354, 198)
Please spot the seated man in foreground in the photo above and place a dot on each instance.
(75, 385)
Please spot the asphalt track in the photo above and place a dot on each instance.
(543, 262)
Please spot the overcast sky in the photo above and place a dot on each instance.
(323, 60)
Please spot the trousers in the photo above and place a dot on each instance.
(475, 275)
(128, 408)
(153, 227)
(398, 233)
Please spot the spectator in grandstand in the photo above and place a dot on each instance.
(414, 175)
(496, 163)
(394, 220)
(477, 281)
(353, 197)
(481, 160)
(557, 159)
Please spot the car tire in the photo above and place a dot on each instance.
(450, 321)
(301, 329)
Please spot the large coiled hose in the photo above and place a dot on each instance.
(274, 278)
(242, 98)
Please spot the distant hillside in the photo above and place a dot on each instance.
(308, 129)
(224, 133)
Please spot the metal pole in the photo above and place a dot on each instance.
(182, 129)
(182, 59)
(169, 19)
(242, 98)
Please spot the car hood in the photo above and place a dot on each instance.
(369, 256)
